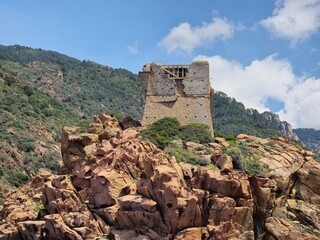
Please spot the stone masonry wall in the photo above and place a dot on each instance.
(182, 92)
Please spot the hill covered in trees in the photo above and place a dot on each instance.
(232, 117)
(310, 137)
(41, 91)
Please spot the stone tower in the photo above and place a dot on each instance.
(180, 91)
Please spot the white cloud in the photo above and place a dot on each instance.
(133, 49)
(295, 20)
(270, 77)
(186, 38)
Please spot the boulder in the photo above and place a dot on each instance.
(224, 162)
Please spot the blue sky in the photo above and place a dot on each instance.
(264, 53)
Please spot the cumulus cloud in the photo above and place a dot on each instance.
(270, 77)
(186, 38)
(133, 49)
(295, 20)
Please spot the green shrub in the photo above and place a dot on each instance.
(38, 206)
(255, 167)
(163, 131)
(169, 125)
(317, 158)
(195, 132)
(184, 155)
(17, 178)
(228, 137)
(116, 114)
(246, 158)
(26, 146)
(1, 171)
(179, 153)
(238, 159)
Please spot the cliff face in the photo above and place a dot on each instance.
(283, 127)
(120, 186)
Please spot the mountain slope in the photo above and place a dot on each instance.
(310, 137)
(231, 117)
(41, 91)
(88, 87)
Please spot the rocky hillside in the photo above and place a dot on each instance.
(117, 185)
(283, 127)
(231, 117)
(42, 91)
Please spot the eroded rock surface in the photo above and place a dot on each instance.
(119, 186)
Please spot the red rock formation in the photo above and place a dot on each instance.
(120, 186)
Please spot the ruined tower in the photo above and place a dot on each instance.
(180, 91)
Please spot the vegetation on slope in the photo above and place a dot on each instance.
(309, 137)
(41, 91)
(163, 131)
(30, 123)
(231, 117)
(90, 88)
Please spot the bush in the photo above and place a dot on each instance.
(179, 153)
(238, 159)
(184, 155)
(163, 131)
(228, 137)
(254, 167)
(17, 178)
(196, 132)
(169, 125)
(245, 158)
(1, 171)
(26, 146)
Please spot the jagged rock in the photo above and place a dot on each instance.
(9, 231)
(222, 142)
(305, 212)
(129, 122)
(128, 235)
(124, 187)
(309, 175)
(72, 146)
(192, 146)
(179, 207)
(178, 142)
(283, 127)
(242, 137)
(233, 184)
(192, 233)
(31, 230)
(55, 228)
(224, 162)
(280, 229)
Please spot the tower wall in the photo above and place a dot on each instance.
(178, 91)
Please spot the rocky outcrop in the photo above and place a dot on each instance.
(283, 127)
(117, 185)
